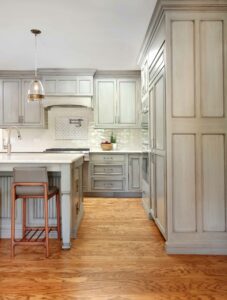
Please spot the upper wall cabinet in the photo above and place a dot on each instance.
(68, 85)
(117, 103)
(14, 107)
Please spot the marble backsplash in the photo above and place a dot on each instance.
(37, 140)
(127, 139)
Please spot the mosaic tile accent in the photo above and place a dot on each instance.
(69, 128)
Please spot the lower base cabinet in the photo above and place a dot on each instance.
(134, 172)
(115, 173)
(158, 192)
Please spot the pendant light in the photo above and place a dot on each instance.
(36, 90)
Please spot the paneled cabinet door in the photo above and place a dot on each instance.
(160, 194)
(157, 140)
(10, 101)
(68, 85)
(32, 111)
(117, 103)
(127, 105)
(152, 186)
(134, 183)
(157, 112)
(105, 102)
(60, 85)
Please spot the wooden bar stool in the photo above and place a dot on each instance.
(30, 183)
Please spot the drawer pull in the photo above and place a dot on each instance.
(108, 170)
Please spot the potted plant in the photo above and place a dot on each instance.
(113, 140)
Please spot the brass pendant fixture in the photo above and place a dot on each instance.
(36, 90)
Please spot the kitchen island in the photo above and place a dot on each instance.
(65, 171)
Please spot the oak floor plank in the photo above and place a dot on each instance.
(119, 255)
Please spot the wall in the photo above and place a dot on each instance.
(37, 140)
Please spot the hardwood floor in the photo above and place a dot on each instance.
(119, 255)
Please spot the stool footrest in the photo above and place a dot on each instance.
(35, 235)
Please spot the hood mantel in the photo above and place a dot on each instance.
(67, 101)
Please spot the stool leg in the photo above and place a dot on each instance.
(58, 215)
(24, 217)
(13, 200)
(46, 224)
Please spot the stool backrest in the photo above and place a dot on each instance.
(30, 174)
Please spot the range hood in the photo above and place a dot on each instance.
(69, 101)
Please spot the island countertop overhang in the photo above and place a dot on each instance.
(39, 158)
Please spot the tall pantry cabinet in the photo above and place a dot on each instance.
(184, 55)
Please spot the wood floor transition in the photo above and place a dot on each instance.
(119, 255)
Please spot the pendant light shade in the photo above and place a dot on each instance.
(36, 91)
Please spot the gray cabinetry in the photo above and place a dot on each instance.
(108, 172)
(188, 168)
(111, 173)
(117, 102)
(68, 85)
(10, 101)
(134, 168)
(157, 138)
(105, 104)
(15, 109)
(77, 190)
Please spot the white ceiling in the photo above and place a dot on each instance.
(99, 34)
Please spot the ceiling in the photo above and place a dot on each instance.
(99, 34)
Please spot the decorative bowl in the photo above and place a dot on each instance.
(106, 147)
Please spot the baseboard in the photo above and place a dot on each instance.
(214, 248)
(147, 211)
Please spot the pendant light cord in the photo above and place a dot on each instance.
(36, 58)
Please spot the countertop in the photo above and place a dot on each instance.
(115, 151)
(47, 158)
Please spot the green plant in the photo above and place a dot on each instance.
(113, 138)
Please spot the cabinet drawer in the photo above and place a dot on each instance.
(107, 185)
(108, 158)
(102, 169)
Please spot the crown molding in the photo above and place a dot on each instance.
(17, 73)
(42, 72)
(66, 72)
(117, 73)
(175, 5)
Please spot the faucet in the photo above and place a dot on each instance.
(8, 146)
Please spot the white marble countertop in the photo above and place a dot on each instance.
(47, 158)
